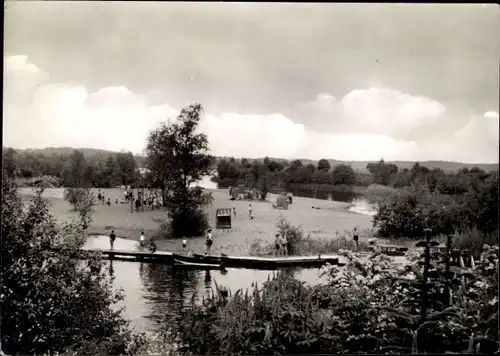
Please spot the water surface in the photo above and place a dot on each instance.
(155, 294)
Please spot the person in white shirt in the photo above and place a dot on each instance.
(184, 244)
(209, 241)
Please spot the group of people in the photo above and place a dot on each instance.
(102, 199)
(250, 211)
(280, 245)
(143, 243)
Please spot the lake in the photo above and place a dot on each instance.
(155, 294)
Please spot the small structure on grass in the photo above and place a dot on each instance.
(223, 218)
(281, 202)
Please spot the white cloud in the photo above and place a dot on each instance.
(374, 123)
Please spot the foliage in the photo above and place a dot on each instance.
(324, 165)
(52, 302)
(412, 209)
(362, 308)
(343, 174)
(294, 234)
(178, 157)
(382, 172)
(81, 199)
(84, 168)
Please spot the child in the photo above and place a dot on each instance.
(209, 241)
(112, 238)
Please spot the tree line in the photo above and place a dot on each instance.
(266, 174)
(102, 169)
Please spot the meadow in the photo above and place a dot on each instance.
(331, 220)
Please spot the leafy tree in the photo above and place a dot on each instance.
(324, 165)
(296, 164)
(126, 167)
(383, 172)
(343, 174)
(179, 157)
(9, 162)
(75, 171)
(51, 302)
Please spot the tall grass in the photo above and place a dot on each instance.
(303, 245)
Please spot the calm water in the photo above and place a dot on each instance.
(154, 294)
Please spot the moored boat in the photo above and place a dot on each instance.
(197, 265)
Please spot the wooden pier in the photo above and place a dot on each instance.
(267, 263)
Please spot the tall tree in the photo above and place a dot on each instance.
(343, 174)
(178, 156)
(9, 162)
(324, 165)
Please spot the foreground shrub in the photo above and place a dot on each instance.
(50, 301)
(367, 306)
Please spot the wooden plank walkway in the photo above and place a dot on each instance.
(229, 261)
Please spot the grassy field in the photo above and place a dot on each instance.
(325, 223)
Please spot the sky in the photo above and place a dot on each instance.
(289, 80)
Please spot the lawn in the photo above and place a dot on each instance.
(326, 222)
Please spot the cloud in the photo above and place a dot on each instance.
(377, 110)
(371, 123)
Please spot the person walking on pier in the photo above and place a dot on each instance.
(112, 238)
(209, 241)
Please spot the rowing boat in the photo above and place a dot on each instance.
(196, 265)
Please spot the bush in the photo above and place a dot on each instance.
(359, 310)
(293, 234)
(80, 198)
(51, 301)
(310, 245)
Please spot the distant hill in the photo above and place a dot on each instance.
(359, 166)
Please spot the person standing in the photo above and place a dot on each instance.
(209, 241)
(250, 212)
(112, 238)
(355, 237)
(284, 245)
(277, 245)
(234, 210)
(184, 245)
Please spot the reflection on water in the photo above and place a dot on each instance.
(325, 193)
(155, 294)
